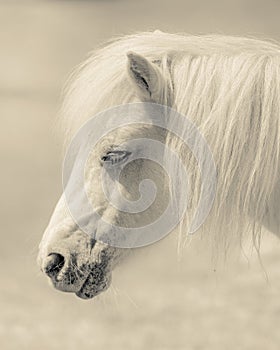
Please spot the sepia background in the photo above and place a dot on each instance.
(156, 301)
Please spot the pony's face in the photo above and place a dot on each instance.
(77, 261)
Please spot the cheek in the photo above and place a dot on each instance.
(137, 173)
(116, 204)
(152, 196)
(130, 178)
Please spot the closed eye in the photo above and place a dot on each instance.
(115, 157)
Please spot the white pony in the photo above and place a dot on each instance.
(229, 87)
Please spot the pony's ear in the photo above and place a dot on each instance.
(146, 77)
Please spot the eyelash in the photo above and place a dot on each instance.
(114, 157)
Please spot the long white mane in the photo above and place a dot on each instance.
(228, 86)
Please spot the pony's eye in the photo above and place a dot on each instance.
(114, 157)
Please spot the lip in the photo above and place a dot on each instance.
(96, 283)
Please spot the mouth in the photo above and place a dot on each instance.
(86, 280)
(87, 286)
(81, 269)
(97, 282)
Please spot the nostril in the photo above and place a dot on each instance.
(53, 264)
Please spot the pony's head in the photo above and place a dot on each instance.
(75, 260)
(228, 86)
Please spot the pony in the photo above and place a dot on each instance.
(229, 87)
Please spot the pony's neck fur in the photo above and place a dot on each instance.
(228, 86)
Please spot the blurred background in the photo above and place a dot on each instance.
(156, 301)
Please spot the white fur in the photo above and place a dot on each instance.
(230, 88)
